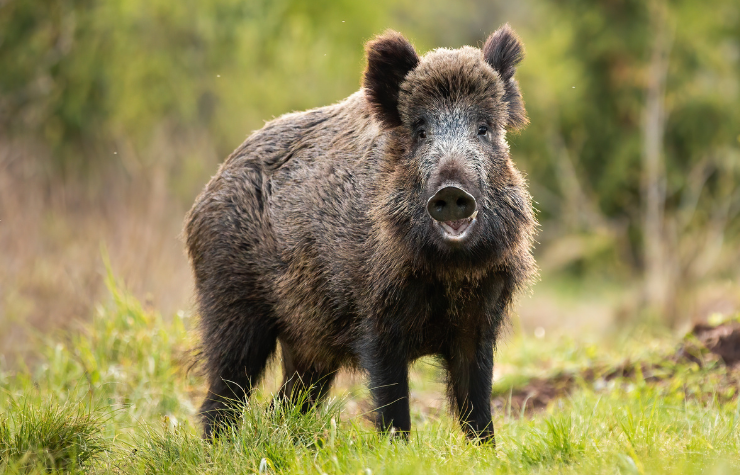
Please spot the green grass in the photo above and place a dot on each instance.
(50, 436)
(118, 397)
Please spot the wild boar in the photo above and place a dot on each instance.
(369, 233)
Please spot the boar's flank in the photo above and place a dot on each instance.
(369, 233)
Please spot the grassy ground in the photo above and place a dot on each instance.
(118, 396)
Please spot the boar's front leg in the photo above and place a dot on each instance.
(387, 367)
(470, 375)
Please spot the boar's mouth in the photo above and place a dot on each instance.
(456, 230)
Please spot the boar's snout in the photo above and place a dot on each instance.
(451, 204)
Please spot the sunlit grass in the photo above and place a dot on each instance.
(50, 436)
(117, 397)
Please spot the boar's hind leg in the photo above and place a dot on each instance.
(470, 390)
(304, 384)
(237, 351)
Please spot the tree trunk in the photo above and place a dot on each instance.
(659, 288)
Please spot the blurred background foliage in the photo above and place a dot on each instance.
(114, 114)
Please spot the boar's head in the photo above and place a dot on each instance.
(450, 192)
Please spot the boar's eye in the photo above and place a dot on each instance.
(421, 133)
(482, 130)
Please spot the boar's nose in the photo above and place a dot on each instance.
(451, 204)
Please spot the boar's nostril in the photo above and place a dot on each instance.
(451, 204)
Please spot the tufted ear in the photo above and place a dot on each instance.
(503, 51)
(390, 57)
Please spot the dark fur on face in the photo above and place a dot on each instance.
(453, 91)
(316, 233)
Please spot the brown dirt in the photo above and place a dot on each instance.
(722, 340)
(715, 349)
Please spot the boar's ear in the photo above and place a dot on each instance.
(390, 57)
(503, 51)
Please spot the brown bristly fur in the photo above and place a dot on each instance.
(315, 233)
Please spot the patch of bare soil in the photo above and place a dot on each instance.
(706, 364)
(721, 340)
